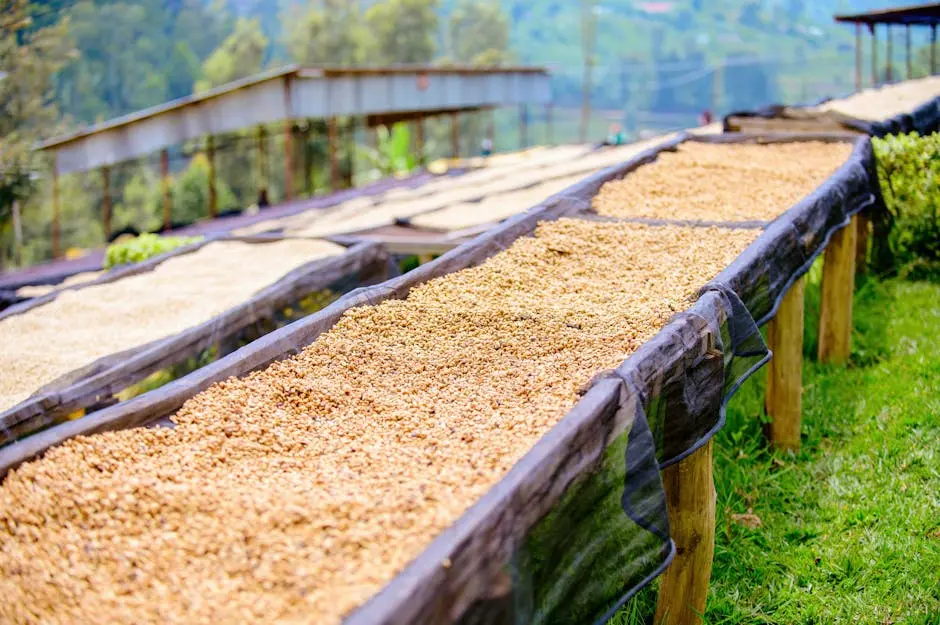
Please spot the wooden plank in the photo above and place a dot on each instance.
(690, 500)
(784, 401)
(838, 285)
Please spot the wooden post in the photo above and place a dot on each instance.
(874, 55)
(933, 49)
(861, 245)
(455, 133)
(288, 160)
(549, 129)
(690, 501)
(784, 401)
(858, 56)
(17, 234)
(908, 53)
(106, 201)
(889, 74)
(55, 207)
(262, 164)
(523, 127)
(210, 157)
(838, 285)
(165, 181)
(425, 258)
(308, 166)
(419, 140)
(332, 140)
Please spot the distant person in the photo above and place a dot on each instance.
(486, 147)
(615, 136)
(705, 118)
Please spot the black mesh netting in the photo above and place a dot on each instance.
(579, 524)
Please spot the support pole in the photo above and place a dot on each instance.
(838, 285)
(908, 53)
(210, 157)
(55, 208)
(419, 140)
(455, 134)
(491, 129)
(332, 141)
(549, 130)
(889, 73)
(523, 126)
(861, 245)
(262, 165)
(305, 151)
(106, 201)
(690, 500)
(165, 181)
(874, 55)
(784, 401)
(17, 234)
(288, 160)
(933, 49)
(858, 56)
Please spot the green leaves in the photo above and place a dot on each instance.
(143, 247)
(909, 173)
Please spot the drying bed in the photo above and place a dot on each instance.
(122, 325)
(495, 208)
(395, 202)
(716, 182)
(578, 523)
(908, 106)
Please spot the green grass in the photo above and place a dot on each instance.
(850, 526)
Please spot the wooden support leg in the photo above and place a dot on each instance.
(784, 401)
(262, 167)
(861, 245)
(106, 201)
(690, 500)
(455, 134)
(55, 212)
(210, 157)
(165, 181)
(332, 134)
(288, 160)
(838, 285)
(419, 140)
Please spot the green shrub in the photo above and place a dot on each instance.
(909, 173)
(143, 247)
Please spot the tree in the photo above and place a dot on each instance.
(402, 31)
(28, 59)
(478, 34)
(240, 55)
(330, 33)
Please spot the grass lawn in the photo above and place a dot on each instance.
(848, 530)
